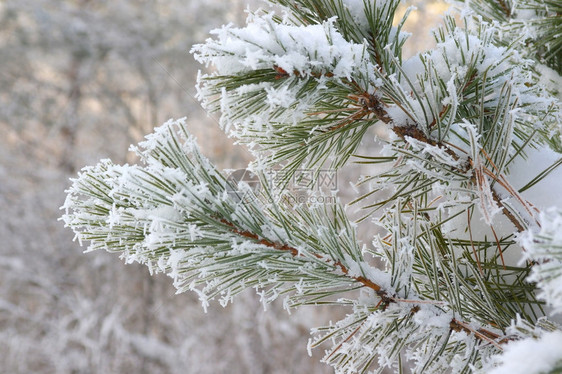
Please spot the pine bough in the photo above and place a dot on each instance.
(466, 266)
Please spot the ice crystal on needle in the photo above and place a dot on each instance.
(462, 257)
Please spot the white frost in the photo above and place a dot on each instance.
(532, 356)
(294, 50)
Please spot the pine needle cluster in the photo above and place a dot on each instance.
(463, 264)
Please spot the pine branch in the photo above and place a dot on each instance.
(539, 34)
(130, 218)
(302, 90)
(336, 265)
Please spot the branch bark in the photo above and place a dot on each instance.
(455, 325)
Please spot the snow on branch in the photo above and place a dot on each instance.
(543, 247)
(264, 43)
(301, 91)
(280, 86)
(175, 214)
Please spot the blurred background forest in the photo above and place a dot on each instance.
(81, 80)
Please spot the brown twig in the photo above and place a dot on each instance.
(482, 334)
(375, 106)
(507, 213)
(296, 253)
(282, 73)
(367, 104)
(441, 113)
(505, 8)
(413, 131)
(505, 184)
(472, 244)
